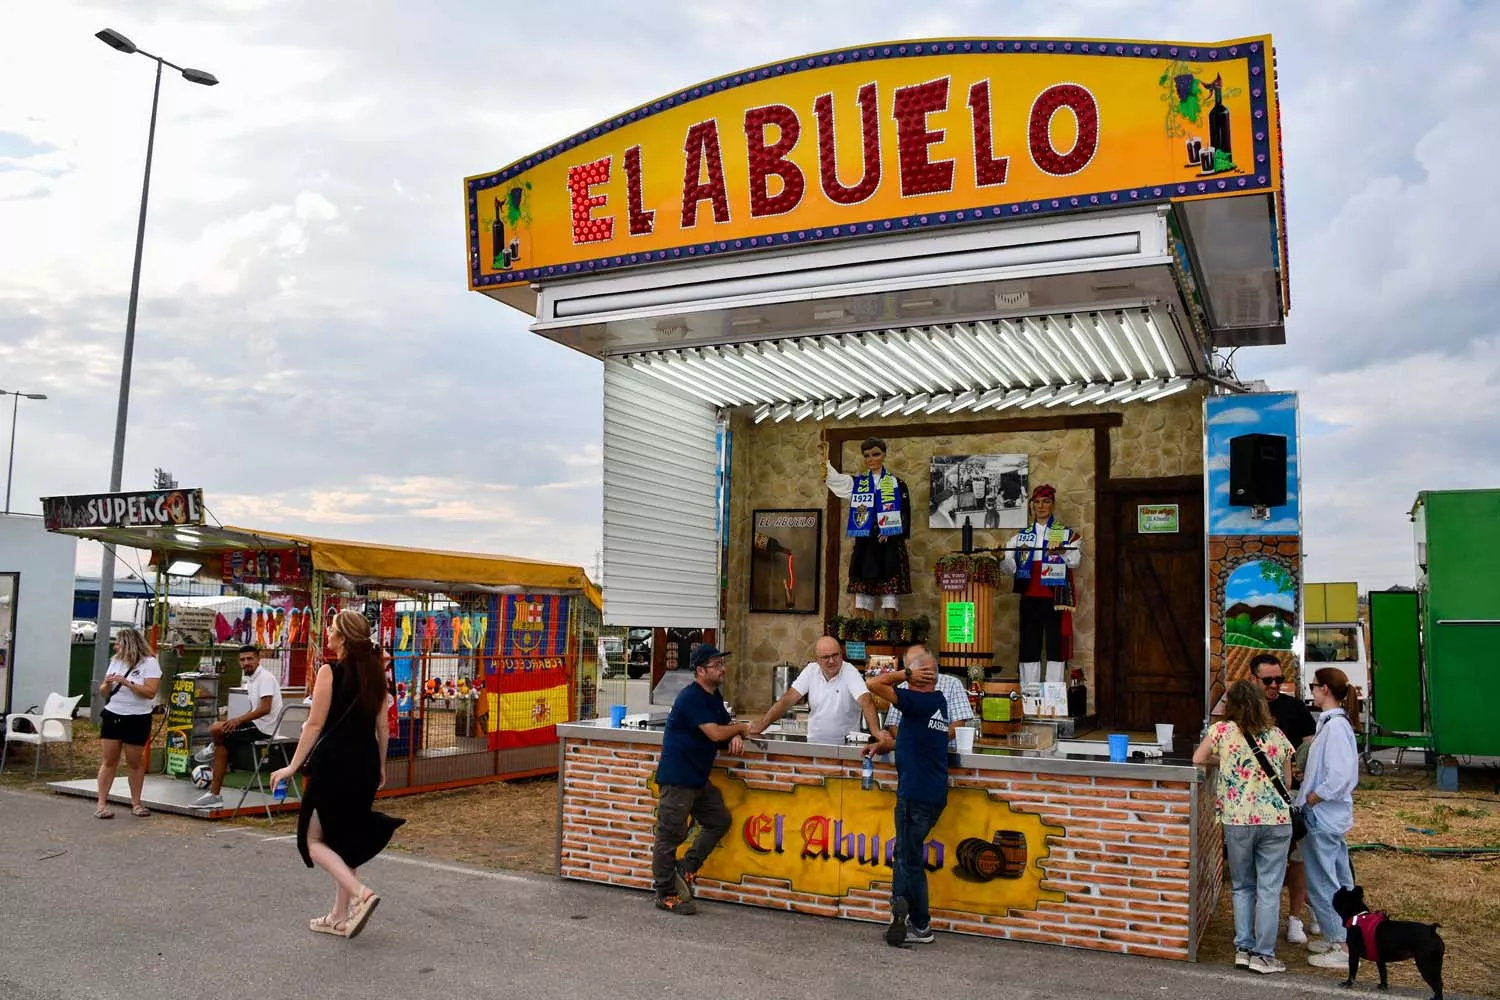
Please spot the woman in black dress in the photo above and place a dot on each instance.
(344, 742)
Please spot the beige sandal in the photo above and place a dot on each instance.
(104, 812)
(359, 912)
(328, 924)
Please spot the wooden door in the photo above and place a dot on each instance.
(1158, 625)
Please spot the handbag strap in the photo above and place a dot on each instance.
(1265, 765)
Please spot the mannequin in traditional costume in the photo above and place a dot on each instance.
(1042, 557)
(879, 524)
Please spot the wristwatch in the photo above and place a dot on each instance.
(908, 673)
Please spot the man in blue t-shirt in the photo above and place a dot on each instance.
(921, 745)
(697, 727)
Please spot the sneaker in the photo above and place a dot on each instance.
(1242, 960)
(205, 755)
(919, 935)
(685, 882)
(1295, 932)
(1335, 958)
(1266, 964)
(1317, 946)
(676, 904)
(895, 934)
(1313, 927)
(208, 800)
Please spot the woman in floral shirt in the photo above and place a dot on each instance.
(1257, 821)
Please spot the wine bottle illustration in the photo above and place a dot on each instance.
(1218, 127)
(502, 253)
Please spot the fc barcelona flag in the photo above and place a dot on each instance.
(532, 625)
(533, 699)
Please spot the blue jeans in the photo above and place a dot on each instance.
(914, 821)
(1325, 857)
(1257, 865)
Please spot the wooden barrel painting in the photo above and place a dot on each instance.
(980, 651)
(1000, 708)
(1004, 857)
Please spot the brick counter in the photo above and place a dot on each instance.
(1124, 857)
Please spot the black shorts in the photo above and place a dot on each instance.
(243, 736)
(131, 730)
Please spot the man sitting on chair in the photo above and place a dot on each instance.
(257, 724)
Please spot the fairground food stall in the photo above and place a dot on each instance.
(1015, 263)
(487, 653)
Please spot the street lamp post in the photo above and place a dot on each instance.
(15, 404)
(120, 43)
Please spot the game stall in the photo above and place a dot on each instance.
(486, 653)
(930, 341)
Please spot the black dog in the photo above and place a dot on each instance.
(1395, 940)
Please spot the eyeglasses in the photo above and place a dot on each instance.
(1315, 684)
(829, 656)
(1268, 681)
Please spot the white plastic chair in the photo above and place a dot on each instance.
(53, 725)
(288, 730)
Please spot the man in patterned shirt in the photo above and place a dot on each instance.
(959, 709)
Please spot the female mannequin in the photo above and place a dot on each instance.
(879, 524)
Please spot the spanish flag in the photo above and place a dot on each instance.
(533, 697)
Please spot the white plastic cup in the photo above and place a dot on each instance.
(964, 737)
(1164, 735)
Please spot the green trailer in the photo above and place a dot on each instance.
(1398, 706)
(1458, 593)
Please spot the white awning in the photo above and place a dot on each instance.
(1110, 355)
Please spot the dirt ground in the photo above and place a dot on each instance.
(1397, 816)
(1404, 811)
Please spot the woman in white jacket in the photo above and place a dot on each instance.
(1327, 798)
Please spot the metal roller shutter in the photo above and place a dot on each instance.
(661, 553)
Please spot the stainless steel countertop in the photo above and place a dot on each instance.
(1027, 761)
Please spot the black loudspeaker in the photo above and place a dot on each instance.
(1257, 470)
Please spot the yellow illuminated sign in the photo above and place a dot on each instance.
(880, 140)
(828, 839)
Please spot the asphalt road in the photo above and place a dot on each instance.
(166, 906)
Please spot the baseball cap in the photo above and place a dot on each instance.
(703, 654)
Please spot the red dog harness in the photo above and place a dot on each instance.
(1366, 923)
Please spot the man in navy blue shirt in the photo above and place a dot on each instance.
(921, 745)
(697, 727)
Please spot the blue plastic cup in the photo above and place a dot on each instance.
(616, 715)
(1119, 747)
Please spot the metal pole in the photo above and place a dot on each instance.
(10, 469)
(107, 569)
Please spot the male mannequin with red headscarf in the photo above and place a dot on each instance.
(1042, 557)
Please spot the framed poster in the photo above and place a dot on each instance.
(786, 561)
(985, 491)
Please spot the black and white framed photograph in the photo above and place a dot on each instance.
(786, 561)
(986, 491)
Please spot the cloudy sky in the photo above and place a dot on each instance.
(308, 352)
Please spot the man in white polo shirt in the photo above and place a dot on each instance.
(836, 697)
(257, 724)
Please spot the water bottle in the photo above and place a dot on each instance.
(867, 773)
(278, 794)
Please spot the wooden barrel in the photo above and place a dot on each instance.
(1000, 708)
(983, 860)
(981, 651)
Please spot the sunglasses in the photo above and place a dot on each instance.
(1268, 681)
